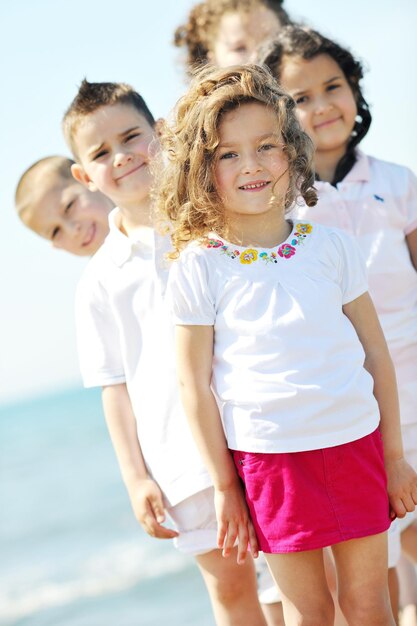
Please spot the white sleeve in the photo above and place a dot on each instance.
(98, 342)
(189, 291)
(352, 268)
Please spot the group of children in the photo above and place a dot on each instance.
(246, 382)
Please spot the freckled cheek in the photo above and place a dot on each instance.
(65, 242)
(279, 164)
(104, 174)
(222, 184)
(95, 172)
(350, 108)
(218, 177)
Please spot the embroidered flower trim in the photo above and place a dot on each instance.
(285, 250)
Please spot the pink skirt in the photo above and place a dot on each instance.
(308, 500)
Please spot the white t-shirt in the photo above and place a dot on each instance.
(125, 334)
(377, 203)
(287, 366)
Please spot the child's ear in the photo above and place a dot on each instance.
(159, 125)
(82, 177)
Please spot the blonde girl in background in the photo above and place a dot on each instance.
(226, 32)
(276, 331)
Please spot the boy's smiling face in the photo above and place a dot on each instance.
(69, 215)
(113, 147)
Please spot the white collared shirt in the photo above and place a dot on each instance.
(377, 203)
(287, 364)
(125, 335)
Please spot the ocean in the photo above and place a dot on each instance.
(71, 551)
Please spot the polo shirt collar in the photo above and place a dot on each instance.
(120, 246)
(360, 171)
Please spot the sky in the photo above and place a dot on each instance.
(48, 46)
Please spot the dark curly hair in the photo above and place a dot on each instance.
(307, 44)
(203, 21)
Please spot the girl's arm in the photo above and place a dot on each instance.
(402, 480)
(195, 354)
(412, 247)
(144, 493)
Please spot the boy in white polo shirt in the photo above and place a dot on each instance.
(125, 343)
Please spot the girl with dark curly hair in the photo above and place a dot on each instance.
(374, 200)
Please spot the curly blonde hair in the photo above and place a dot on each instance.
(197, 34)
(186, 195)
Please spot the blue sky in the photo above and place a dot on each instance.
(48, 46)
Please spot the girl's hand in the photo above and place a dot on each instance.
(402, 487)
(148, 506)
(234, 523)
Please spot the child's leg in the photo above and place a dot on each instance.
(394, 593)
(409, 542)
(330, 570)
(362, 566)
(394, 553)
(273, 614)
(407, 569)
(270, 596)
(408, 594)
(301, 579)
(232, 589)
(268, 593)
(408, 525)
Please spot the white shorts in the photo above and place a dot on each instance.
(195, 520)
(268, 592)
(406, 521)
(409, 434)
(394, 543)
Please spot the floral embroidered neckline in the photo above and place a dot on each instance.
(285, 250)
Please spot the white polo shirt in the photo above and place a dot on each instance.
(287, 366)
(125, 335)
(377, 203)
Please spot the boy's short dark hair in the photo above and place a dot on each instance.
(92, 96)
